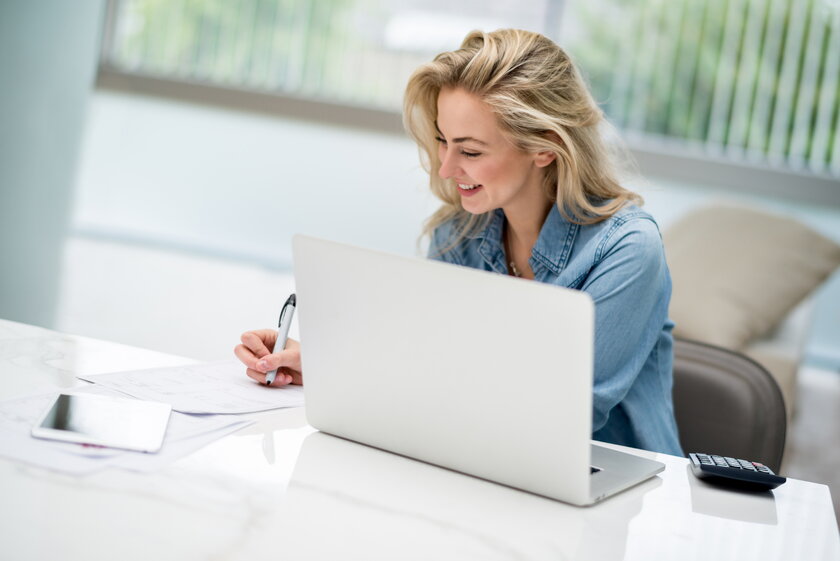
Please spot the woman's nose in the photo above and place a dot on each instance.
(447, 168)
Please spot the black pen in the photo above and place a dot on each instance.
(283, 326)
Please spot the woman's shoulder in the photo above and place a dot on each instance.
(448, 243)
(630, 231)
(632, 216)
(630, 221)
(443, 245)
(455, 240)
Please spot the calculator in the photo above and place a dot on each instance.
(734, 473)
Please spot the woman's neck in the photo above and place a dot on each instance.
(522, 230)
(524, 225)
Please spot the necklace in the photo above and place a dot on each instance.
(511, 265)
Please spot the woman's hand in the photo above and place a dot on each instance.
(255, 354)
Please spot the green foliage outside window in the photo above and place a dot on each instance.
(755, 77)
(750, 79)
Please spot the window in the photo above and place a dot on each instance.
(750, 80)
(358, 52)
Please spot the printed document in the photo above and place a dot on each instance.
(220, 387)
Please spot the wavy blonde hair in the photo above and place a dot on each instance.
(541, 103)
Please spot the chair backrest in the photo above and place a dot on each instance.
(726, 403)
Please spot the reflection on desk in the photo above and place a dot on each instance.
(744, 506)
(425, 509)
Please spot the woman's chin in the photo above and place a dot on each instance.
(474, 206)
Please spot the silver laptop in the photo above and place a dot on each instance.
(482, 373)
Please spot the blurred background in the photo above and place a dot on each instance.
(156, 156)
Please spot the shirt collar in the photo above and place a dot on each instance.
(554, 245)
(491, 247)
(552, 250)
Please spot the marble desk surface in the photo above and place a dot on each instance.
(279, 490)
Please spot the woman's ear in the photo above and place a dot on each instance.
(542, 159)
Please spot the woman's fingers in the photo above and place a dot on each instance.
(245, 356)
(275, 361)
(296, 377)
(286, 361)
(255, 345)
(282, 378)
(255, 353)
(287, 358)
(260, 341)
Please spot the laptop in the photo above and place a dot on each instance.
(481, 373)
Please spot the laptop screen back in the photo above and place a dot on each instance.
(474, 371)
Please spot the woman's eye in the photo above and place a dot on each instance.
(464, 153)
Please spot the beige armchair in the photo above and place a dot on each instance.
(742, 280)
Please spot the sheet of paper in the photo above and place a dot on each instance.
(218, 387)
(185, 434)
(206, 429)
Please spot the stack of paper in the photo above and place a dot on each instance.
(206, 399)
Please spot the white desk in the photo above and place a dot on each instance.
(277, 490)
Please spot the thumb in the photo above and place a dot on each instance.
(270, 362)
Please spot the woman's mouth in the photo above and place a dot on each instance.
(468, 190)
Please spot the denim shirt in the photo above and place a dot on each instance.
(621, 264)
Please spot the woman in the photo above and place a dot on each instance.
(510, 136)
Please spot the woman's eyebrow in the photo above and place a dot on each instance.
(462, 138)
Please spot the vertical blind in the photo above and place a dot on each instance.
(754, 80)
(751, 80)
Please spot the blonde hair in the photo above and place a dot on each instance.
(541, 103)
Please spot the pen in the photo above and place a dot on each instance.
(283, 326)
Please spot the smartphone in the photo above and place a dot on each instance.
(113, 422)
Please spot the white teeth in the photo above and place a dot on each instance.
(467, 187)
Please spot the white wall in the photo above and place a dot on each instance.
(48, 54)
(240, 185)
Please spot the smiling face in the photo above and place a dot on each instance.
(489, 171)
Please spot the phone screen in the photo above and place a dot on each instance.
(114, 422)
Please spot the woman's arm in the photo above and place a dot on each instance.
(631, 288)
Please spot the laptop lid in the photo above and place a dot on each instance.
(478, 372)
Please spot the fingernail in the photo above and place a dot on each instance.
(262, 364)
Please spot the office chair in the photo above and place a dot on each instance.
(725, 403)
